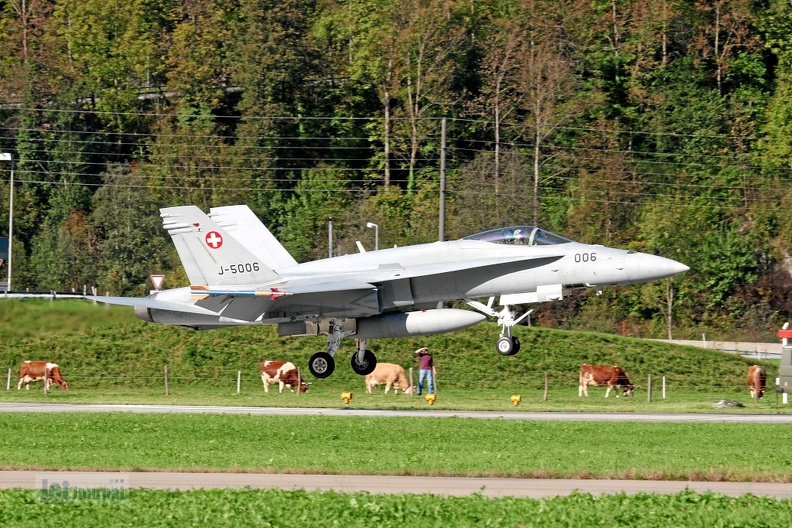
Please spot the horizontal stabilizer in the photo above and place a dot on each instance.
(148, 302)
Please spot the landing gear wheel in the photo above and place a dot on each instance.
(367, 365)
(505, 346)
(516, 347)
(321, 364)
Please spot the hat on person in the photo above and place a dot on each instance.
(422, 350)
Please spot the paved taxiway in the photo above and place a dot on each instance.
(492, 487)
(388, 413)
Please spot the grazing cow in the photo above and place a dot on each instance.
(282, 372)
(37, 371)
(613, 376)
(391, 375)
(757, 377)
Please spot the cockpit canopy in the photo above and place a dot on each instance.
(520, 235)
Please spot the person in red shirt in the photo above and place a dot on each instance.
(427, 370)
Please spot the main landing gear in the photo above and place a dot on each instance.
(507, 345)
(322, 364)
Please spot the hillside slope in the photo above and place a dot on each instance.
(107, 346)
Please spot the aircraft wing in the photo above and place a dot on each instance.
(349, 298)
(331, 295)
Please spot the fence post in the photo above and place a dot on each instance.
(544, 398)
(8, 383)
(46, 381)
(299, 381)
(649, 389)
(411, 381)
(167, 389)
(239, 381)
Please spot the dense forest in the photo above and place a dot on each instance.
(663, 126)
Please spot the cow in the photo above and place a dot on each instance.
(282, 372)
(613, 376)
(37, 371)
(757, 377)
(391, 375)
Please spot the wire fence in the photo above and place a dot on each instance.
(654, 385)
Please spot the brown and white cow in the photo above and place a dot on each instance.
(37, 371)
(612, 376)
(757, 378)
(282, 372)
(391, 375)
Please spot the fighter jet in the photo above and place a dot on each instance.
(241, 275)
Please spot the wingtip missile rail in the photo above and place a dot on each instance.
(202, 292)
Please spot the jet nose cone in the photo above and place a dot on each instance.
(643, 267)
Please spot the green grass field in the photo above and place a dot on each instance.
(109, 357)
(396, 446)
(101, 348)
(273, 508)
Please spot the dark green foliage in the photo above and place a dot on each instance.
(660, 125)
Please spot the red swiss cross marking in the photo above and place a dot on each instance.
(214, 239)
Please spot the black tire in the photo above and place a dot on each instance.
(516, 346)
(505, 346)
(321, 364)
(366, 366)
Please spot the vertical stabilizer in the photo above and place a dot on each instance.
(242, 224)
(210, 255)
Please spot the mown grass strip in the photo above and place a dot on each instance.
(398, 446)
(220, 508)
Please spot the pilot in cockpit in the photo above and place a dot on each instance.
(519, 236)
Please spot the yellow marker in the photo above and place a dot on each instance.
(346, 396)
(516, 399)
(430, 398)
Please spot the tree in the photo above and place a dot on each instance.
(131, 243)
(499, 98)
(548, 81)
(64, 256)
(480, 201)
(275, 66)
(606, 190)
(427, 46)
(724, 27)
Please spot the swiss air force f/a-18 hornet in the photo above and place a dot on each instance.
(241, 275)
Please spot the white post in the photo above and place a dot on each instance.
(239, 380)
(547, 387)
(10, 225)
(411, 381)
(6, 156)
(8, 383)
(664, 387)
(376, 234)
(330, 237)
